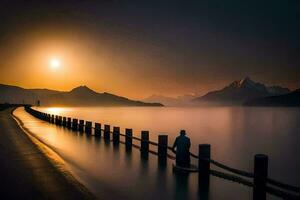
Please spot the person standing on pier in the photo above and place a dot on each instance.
(182, 147)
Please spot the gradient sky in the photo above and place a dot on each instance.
(137, 49)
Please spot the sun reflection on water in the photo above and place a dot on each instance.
(56, 110)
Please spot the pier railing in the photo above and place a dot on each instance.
(258, 179)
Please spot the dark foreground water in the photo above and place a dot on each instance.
(236, 134)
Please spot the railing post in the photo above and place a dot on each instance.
(144, 143)
(128, 138)
(52, 119)
(56, 120)
(107, 132)
(81, 125)
(97, 129)
(69, 122)
(116, 135)
(204, 168)
(162, 147)
(59, 120)
(75, 124)
(88, 127)
(64, 121)
(260, 176)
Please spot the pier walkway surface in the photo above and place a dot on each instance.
(25, 171)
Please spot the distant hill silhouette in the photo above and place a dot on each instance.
(239, 92)
(80, 96)
(290, 99)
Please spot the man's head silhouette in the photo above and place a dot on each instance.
(182, 132)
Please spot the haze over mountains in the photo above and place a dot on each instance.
(80, 96)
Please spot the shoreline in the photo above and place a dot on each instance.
(30, 169)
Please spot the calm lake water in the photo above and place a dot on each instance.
(236, 134)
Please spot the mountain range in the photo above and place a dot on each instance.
(240, 92)
(79, 96)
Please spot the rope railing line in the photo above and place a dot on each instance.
(233, 170)
(231, 177)
(270, 190)
(194, 155)
(136, 146)
(151, 151)
(283, 185)
(156, 144)
(136, 138)
(122, 135)
(225, 167)
(282, 194)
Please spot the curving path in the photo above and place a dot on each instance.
(26, 173)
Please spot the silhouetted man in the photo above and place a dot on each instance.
(182, 146)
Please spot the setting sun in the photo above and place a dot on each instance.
(55, 63)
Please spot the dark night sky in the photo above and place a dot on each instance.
(168, 47)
